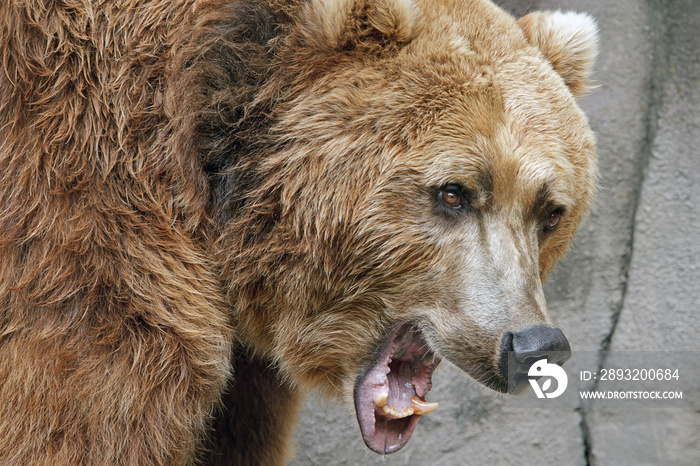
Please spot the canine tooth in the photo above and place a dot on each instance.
(380, 399)
(423, 407)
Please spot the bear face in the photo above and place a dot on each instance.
(425, 166)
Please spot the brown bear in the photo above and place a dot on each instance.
(237, 200)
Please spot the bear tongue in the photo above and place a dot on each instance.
(400, 387)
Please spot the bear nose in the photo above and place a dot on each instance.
(520, 350)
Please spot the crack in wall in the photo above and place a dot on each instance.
(659, 68)
(585, 436)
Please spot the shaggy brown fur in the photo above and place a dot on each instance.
(114, 342)
(181, 178)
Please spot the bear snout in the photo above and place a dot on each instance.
(519, 350)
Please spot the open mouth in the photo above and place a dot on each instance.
(390, 395)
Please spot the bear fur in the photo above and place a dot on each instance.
(209, 208)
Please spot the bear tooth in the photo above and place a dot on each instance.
(423, 407)
(397, 414)
(380, 399)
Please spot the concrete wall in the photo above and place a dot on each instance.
(631, 281)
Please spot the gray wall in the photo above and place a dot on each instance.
(631, 281)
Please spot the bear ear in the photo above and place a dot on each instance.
(348, 25)
(568, 40)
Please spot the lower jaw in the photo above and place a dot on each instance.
(403, 429)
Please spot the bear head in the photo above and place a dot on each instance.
(419, 169)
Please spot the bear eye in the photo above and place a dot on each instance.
(451, 196)
(553, 220)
